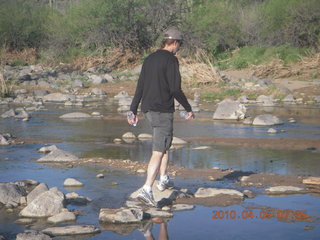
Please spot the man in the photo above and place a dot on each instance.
(158, 85)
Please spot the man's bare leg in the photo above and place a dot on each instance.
(164, 164)
(154, 166)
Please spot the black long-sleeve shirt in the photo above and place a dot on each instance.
(159, 84)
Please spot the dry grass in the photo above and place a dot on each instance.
(114, 59)
(28, 56)
(199, 71)
(3, 86)
(303, 68)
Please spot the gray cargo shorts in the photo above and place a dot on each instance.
(162, 128)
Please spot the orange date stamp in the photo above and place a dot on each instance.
(280, 214)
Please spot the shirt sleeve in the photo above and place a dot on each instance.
(138, 93)
(174, 81)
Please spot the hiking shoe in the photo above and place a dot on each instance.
(147, 198)
(165, 184)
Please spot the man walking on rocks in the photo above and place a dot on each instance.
(158, 85)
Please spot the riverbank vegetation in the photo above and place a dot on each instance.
(232, 33)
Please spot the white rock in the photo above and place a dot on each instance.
(32, 235)
(122, 215)
(178, 141)
(41, 188)
(230, 110)
(128, 135)
(266, 120)
(182, 207)
(272, 131)
(284, 190)
(71, 182)
(47, 149)
(144, 136)
(62, 217)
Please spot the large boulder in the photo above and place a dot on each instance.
(266, 120)
(230, 110)
(46, 204)
(122, 215)
(8, 114)
(10, 194)
(266, 101)
(41, 188)
(58, 155)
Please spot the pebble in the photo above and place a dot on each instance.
(100, 175)
(141, 171)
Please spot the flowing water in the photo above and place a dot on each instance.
(94, 138)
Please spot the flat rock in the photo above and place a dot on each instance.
(71, 230)
(312, 180)
(56, 97)
(157, 213)
(212, 192)
(144, 136)
(122, 215)
(8, 114)
(182, 207)
(75, 115)
(284, 190)
(266, 120)
(58, 155)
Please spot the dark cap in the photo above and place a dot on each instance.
(173, 33)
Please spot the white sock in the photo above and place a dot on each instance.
(164, 178)
(147, 188)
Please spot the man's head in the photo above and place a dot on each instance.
(172, 40)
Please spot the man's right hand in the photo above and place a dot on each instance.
(190, 116)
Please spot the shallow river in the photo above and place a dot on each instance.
(94, 138)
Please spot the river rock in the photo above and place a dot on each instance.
(71, 182)
(32, 235)
(122, 94)
(41, 188)
(272, 131)
(266, 120)
(284, 190)
(23, 114)
(75, 115)
(144, 136)
(77, 84)
(125, 101)
(128, 135)
(289, 98)
(75, 199)
(230, 110)
(96, 79)
(62, 217)
(178, 141)
(71, 230)
(122, 215)
(317, 99)
(40, 93)
(158, 213)
(265, 100)
(10, 194)
(58, 155)
(8, 114)
(122, 109)
(98, 92)
(212, 192)
(56, 97)
(47, 149)
(182, 207)
(312, 180)
(3, 141)
(46, 204)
